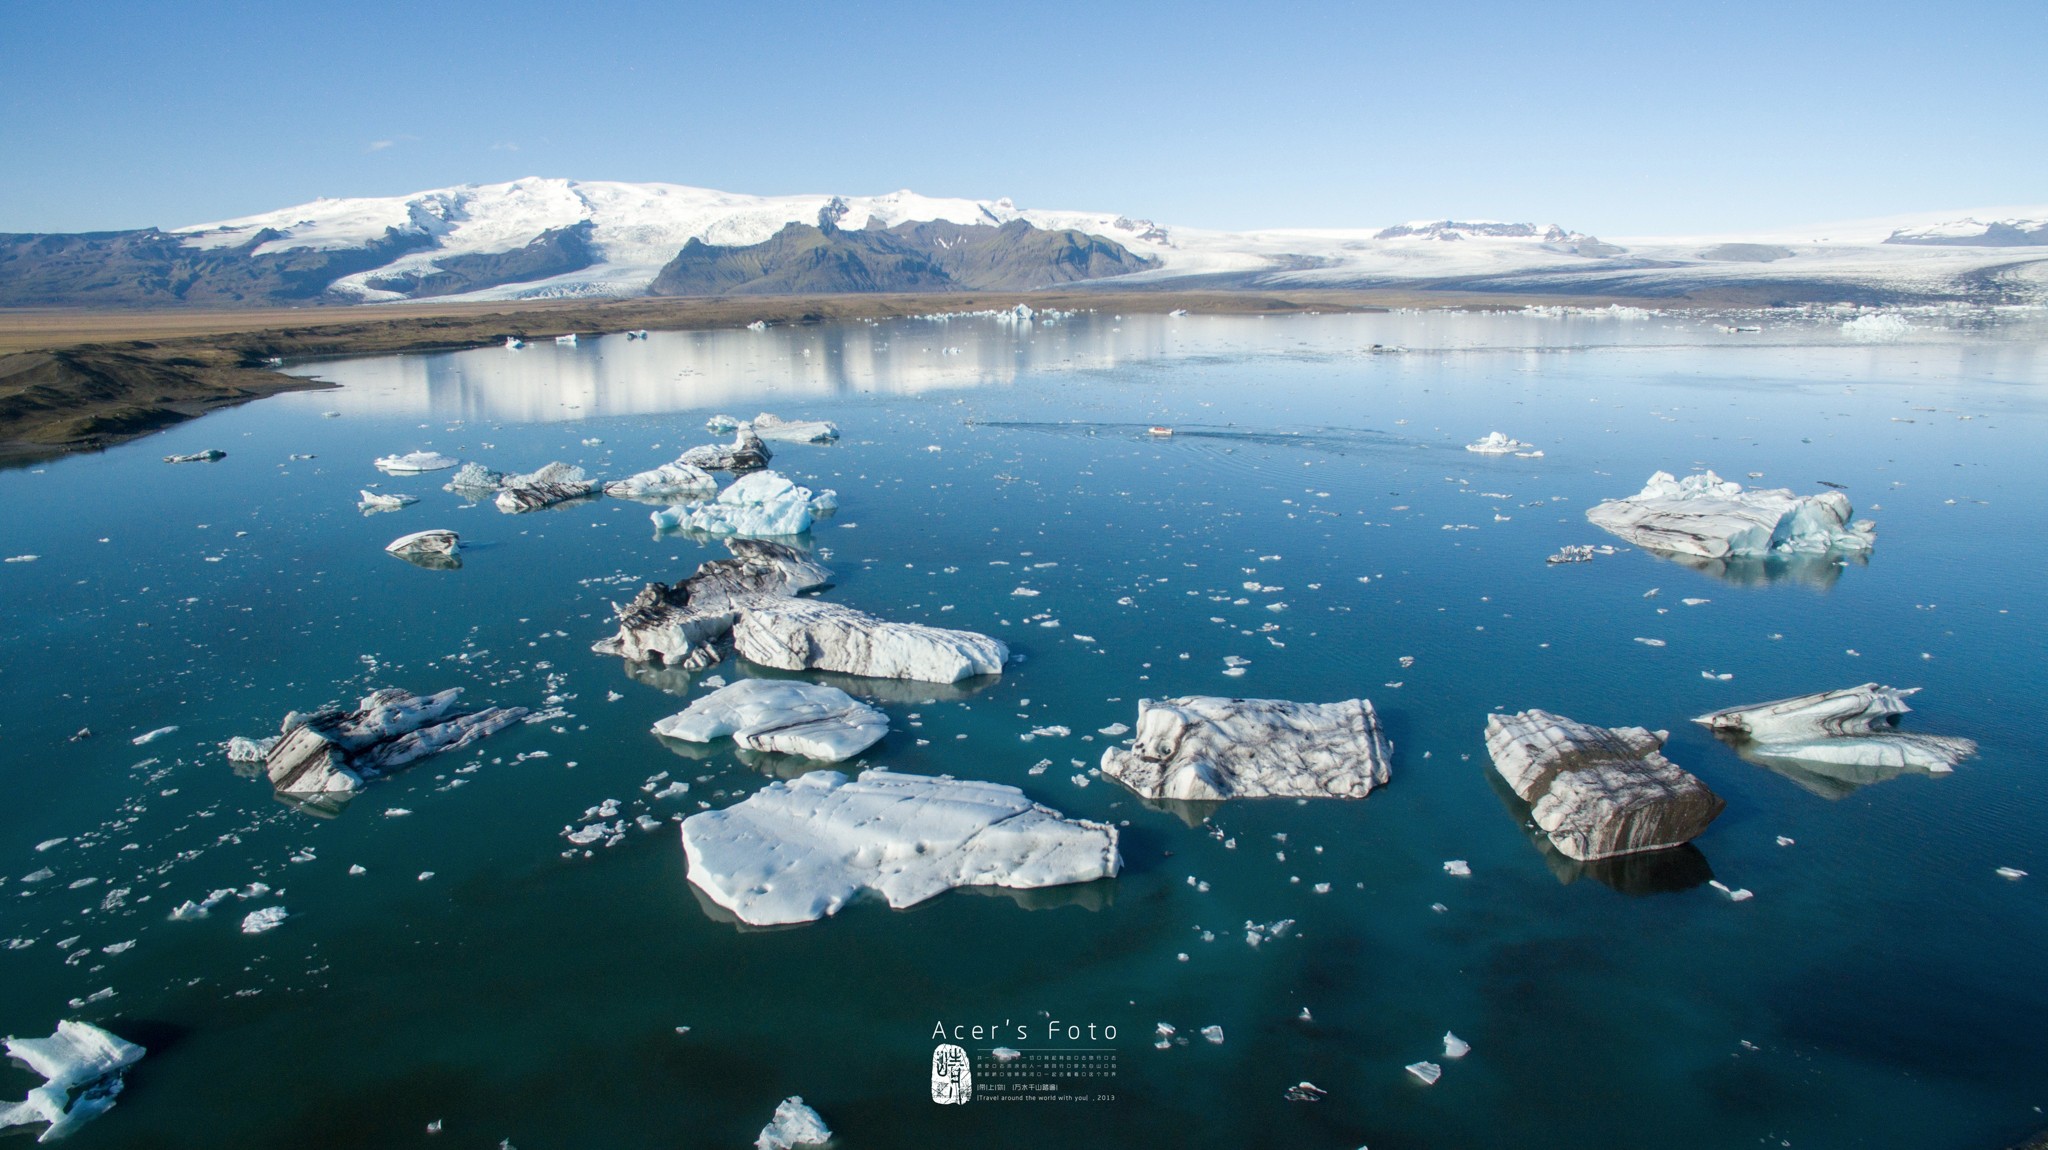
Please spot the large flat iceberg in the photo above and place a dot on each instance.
(552, 484)
(1598, 792)
(81, 1066)
(1851, 727)
(413, 462)
(794, 430)
(1202, 747)
(1712, 518)
(786, 716)
(798, 851)
(334, 752)
(808, 634)
(669, 479)
(745, 453)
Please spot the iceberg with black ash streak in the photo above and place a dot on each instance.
(1851, 727)
(1598, 792)
(334, 751)
(1712, 518)
(1208, 748)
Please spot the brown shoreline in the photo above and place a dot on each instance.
(76, 380)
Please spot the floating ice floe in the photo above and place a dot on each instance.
(568, 340)
(414, 462)
(443, 544)
(689, 623)
(1572, 553)
(1305, 1092)
(1877, 327)
(1706, 516)
(1495, 443)
(334, 752)
(1852, 727)
(676, 478)
(801, 850)
(781, 715)
(147, 737)
(262, 921)
(794, 430)
(242, 750)
(81, 1067)
(721, 425)
(514, 343)
(808, 634)
(210, 455)
(1598, 792)
(1455, 1047)
(2011, 873)
(373, 501)
(1428, 1072)
(552, 484)
(1204, 747)
(761, 504)
(745, 453)
(795, 1124)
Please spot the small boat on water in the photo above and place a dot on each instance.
(1162, 432)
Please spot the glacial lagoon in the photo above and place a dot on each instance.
(1313, 519)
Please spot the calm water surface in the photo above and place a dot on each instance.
(1315, 514)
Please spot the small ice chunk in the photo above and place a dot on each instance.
(1458, 867)
(1214, 1034)
(1305, 1092)
(81, 1066)
(258, 921)
(1496, 443)
(151, 736)
(795, 1124)
(2010, 872)
(1428, 1072)
(1455, 1047)
(415, 462)
(784, 715)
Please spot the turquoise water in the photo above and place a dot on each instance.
(1881, 989)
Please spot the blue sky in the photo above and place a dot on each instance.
(1611, 118)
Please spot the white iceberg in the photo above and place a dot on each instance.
(414, 462)
(81, 1067)
(1203, 747)
(568, 340)
(795, 430)
(1852, 727)
(676, 478)
(761, 504)
(262, 921)
(811, 635)
(1495, 443)
(785, 716)
(1428, 1072)
(795, 1124)
(801, 850)
(1455, 1047)
(1598, 792)
(374, 501)
(244, 750)
(1713, 518)
(210, 455)
(474, 479)
(435, 542)
(721, 425)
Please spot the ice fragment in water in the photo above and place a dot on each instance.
(1458, 867)
(258, 921)
(81, 1066)
(1706, 516)
(787, 716)
(794, 1124)
(1428, 1072)
(1455, 1047)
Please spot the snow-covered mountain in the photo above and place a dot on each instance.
(558, 238)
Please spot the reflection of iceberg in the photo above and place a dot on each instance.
(1666, 871)
(1819, 572)
(905, 692)
(1713, 518)
(1832, 742)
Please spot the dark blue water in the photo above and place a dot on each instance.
(1881, 989)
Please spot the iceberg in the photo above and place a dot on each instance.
(800, 850)
(745, 453)
(1851, 727)
(244, 750)
(785, 716)
(373, 502)
(334, 752)
(474, 479)
(81, 1067)
(415, 462)
(1206, 748)
(1712, 518)
(794, 430)
(1597, 792)
(763, 503)
(435, 542)
(676, 478)
(807, 634)
(210, 455)
(795, 1124)
(688, 624)
(568, 340)
(552, 484)
(721, 425)
(1495, 443)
